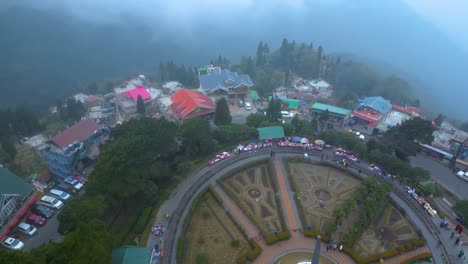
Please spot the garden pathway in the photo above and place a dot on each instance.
(248, 227)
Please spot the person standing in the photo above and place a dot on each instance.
(457, 241)
(451, 235)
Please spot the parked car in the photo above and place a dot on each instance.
(248, 106)
(287, 114)
(51, 202)
(463, 175)
(12, 243)
(241, 103)
(60, 194)
(74, 182)
(27, 229)
(43, 211)
(66, 187)
(36, 220)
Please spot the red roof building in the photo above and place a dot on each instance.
(79, 132)
(188, 104)
(408, 110)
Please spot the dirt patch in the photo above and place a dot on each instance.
(394, 216)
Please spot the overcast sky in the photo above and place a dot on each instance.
(450, 16)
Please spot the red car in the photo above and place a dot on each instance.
(36, 220)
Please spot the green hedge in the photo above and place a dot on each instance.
(315, 234)
(273, 238)
(387, 254)
(418, 257)
(180, 247)
(142, 220)
(255, 252)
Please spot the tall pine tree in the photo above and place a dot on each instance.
(141, 106)
(222, 114)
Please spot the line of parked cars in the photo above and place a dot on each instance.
(43, 210)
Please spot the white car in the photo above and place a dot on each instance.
(362, 137)
(287, 114)
(60, 194)
(12, 243)
(248, 106)
(27, 229)
(75, 183)
(51, 202)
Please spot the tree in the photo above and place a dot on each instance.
(438, 120)
(323, 119)
(260, 54)
(196, 136)
(348, 101)
(288, 129)
(319, 60)
(140, 106)
(222, 114)
(80, 210)
(254, 120)
(273, 112)
(461, 208)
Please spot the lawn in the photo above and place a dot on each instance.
(253, 190)
(320, 189)
(211, 233)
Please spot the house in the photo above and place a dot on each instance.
(188, 104)
(225, 83)
(42, 181)
(368, 114)
(16, 196)
(65, 151)
(126, 102)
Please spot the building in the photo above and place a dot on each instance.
(65, 152)
(188, 104)
(133, 255)
(272, 132)
(42, 181)
(126, 102)
(368, 114)
(223, 82)
(16, 196)
(338, 114)
(461, 160)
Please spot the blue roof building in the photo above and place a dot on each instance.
(377, 103)
(225, 82)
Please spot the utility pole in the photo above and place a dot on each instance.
(316, 256)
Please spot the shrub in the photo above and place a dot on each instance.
(202, 258)
(417, 257)
(285, 235)
(273, 238)
(235, 243)
(314, 234)
(255, 252)
(180, 247)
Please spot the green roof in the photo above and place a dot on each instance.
(271, 132)
(292, 103)
(131, 255)
(333, 110)
(12, 184)
(254, 96)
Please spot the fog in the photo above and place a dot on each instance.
(52, 45)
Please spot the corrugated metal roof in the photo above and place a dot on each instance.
(12, 184)
(378, 103)
(223, 80)
(78, 132)
(334, 110)
(131, 255)
(271, 132)
(186, 101)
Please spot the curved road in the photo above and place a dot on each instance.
(178, 204)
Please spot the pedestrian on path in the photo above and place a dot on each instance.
(328, 248)
(341, 248)
(451, 236)
(461, 254)
(457, 241)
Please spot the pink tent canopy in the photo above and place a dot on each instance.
(139, 91)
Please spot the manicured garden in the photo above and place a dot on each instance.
(211, 236)
(253, 190)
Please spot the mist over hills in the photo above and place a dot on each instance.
(50, 48)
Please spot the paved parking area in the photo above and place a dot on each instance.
(47, 233)
(239, 114)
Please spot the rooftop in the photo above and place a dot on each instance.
(331, 108)
(186, 101)
(138, 91)
(223, 80)
(319, 84)
(79, 132)
(378, 103)
(131, 255)
(292, 103)
(270, 132)
(12, 184)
